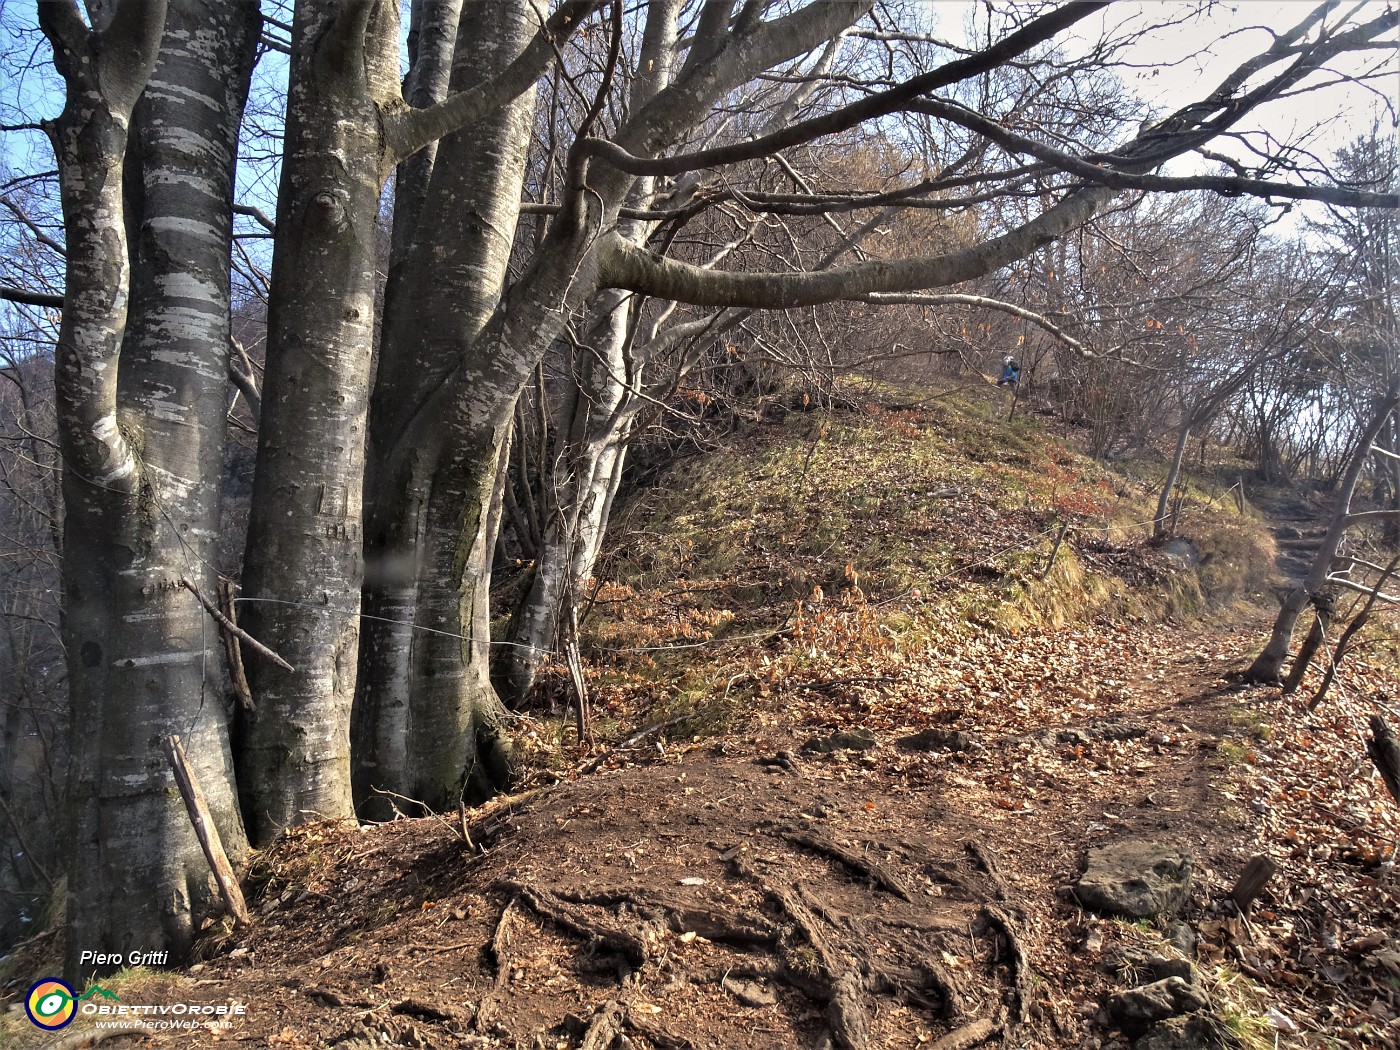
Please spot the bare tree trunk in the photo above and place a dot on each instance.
(588, 466)
(1268, 665)
(143, 658)
(302, 571)
(432, 41)
(422, 707)
(1164, 499)
(577, 492)
(454, 739)
(579, 495)
(1323, 606)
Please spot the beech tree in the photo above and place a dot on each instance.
(1324, 571)
(425, 718)
(347, 127)
(145, 145)
(388, 493)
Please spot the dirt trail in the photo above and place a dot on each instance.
(750, 894)
(1298, 525)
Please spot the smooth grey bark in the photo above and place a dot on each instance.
(141, 383)
(627, 266)
(424, 714)
(432, 40)
(301, 581)
(1268, 665)
(457, 422)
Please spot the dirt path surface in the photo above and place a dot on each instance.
(1298, 525)
(752, 893)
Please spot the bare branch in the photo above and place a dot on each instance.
(983, 302)
(1367, 517)
(1361, 588)
(254, 212)
(623, 265)
(406, 131)
(233, 628)
(33, 227)
(31, 298)
(1097, 172)
(877, 105)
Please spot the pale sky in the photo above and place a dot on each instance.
(1207, 48)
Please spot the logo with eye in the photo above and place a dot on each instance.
(51, 1004)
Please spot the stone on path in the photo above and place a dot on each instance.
(1136, 878)
(1138, 1009)
(856, 740)
(1194, 1032)
(937, 740)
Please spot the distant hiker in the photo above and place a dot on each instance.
(1010, 372)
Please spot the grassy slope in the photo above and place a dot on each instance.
(855, 542)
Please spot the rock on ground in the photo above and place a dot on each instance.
(1136, 878)
(1196, 1032)
(1138, 1009)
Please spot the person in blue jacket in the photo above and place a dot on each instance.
(1010, 372)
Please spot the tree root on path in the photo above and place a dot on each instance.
(658, 1037)
(986, 859)
(859, 863)
(1018, 962)
(611, 1022)
(969, 1035)
(839, 960)
(606, 1026)
(821, 968)
(632, 941)
(500, 956)
(736, 927)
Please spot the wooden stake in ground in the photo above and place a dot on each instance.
(205, 830)
(1251, 882)
(1055, 550)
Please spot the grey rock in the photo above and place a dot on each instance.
(1136, 878)
(1105, 730)
(1197, 1032)
(1138, 1009)
(1183, 938)
(937, 740)
(1184, 553)
(856, 740)
(1145, 967)
(750, 993)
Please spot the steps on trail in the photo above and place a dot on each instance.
(1298, 527)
